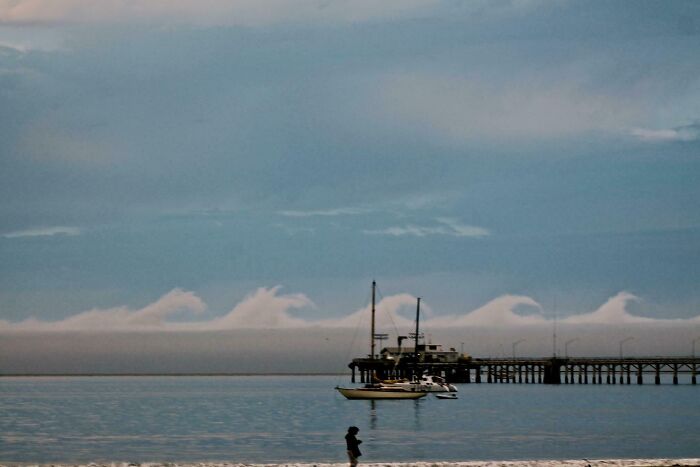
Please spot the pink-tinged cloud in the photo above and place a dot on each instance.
(207, 12)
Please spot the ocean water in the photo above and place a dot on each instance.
(302, 419)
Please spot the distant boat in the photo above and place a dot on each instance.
(381, 391)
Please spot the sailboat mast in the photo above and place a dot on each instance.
(415, 348)
(371, 337)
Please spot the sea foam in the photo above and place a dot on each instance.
(521, 463)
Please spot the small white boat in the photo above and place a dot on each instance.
(446, 395)
(380, 392)
(428, 383)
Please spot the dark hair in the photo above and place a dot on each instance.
(353, 429)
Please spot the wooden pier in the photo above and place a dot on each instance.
(553, 370)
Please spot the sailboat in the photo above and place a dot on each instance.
(379, 390)
(428, 383)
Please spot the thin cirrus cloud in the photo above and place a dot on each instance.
(683, 133)
(326, 212)
(446, 226)
(208, 12)
(44, 232)
(455, 109)
(267, 308)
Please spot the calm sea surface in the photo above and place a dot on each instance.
(279, 419)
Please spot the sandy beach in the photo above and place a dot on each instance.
(525, 463)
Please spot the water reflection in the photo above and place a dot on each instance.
(417, 404)
(373, 415)
(410, 411)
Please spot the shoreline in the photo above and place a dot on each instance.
(661, 462)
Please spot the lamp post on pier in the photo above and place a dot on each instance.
(622, 342)
(566, 346)
(694, 341)
(515, 344)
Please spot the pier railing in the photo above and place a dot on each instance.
(552, 370)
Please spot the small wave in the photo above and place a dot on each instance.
(521, 463)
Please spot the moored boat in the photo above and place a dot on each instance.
(426, 382)
(381, 392)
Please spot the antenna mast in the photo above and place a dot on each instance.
(554, 331)
(371, 336)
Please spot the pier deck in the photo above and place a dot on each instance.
(552, 370)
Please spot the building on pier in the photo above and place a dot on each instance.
(426, 353)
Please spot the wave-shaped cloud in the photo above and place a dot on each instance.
(264, 308)
(497, 312)
(614, 311)
(152, 316)
(267, 308)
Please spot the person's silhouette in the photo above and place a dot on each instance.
(353, 445)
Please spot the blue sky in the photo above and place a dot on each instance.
(458, 151)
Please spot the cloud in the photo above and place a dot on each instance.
(497, 312)
(614, 311)
(449, 226)
(326, 212)
(684, 133)
(267, 308)
(152, 316)
(540, 105)
(44, 232)
(264, 308)
(387, 314)
(207, 12)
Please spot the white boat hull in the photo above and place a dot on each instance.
(427, 383)
(380, 393)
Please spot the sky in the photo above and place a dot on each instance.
(184, 183)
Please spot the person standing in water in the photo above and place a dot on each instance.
(353, 445)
